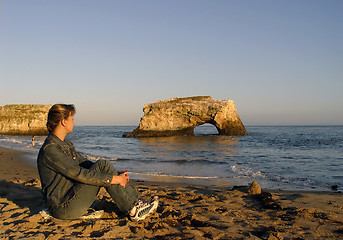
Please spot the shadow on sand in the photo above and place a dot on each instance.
(24, 194)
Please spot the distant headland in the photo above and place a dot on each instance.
(23, 119)
(179, 116)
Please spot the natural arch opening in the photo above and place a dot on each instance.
(205, 129)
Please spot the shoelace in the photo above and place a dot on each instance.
(140, 203)
(143, 207)
(145, 211)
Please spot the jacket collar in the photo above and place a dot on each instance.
(55, 139)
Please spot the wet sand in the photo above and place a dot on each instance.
(185, 211)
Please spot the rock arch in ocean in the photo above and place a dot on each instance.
(179, 116)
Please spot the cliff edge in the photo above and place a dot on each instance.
(179, 116)
(23, 119)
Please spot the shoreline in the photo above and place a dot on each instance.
(28, 162)
(294, 173)
(9, 170)
(185, 211)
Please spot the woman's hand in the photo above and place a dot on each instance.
(121, 179)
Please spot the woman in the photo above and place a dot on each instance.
(70, 183)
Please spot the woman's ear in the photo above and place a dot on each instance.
(63, 122)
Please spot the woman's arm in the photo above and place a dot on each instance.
(57, 160)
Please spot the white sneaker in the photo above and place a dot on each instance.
(142, 209)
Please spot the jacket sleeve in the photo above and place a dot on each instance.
(68, 167)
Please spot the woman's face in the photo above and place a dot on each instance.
(69, 124)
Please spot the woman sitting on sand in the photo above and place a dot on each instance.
(70, 183)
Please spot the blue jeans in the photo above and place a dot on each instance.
(83, 195)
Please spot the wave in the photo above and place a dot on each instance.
(164, 175)
(246, 172)
(96, 158)
(22, 143)
(178, 162)
(303, 182)
(194, 161)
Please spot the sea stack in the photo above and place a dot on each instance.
(179, 116)
(23, 119)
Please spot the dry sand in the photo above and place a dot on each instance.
(185, 212)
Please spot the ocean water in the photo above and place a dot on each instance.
(277, 157)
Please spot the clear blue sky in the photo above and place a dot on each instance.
(280, 61)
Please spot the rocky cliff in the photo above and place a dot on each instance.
(23, 119)
(179, 116)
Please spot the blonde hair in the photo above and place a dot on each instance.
(58, 112)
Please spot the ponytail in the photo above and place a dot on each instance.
(58, 112)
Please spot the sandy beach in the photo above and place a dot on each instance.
(185, 211)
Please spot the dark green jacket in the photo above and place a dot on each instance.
(60, 167)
